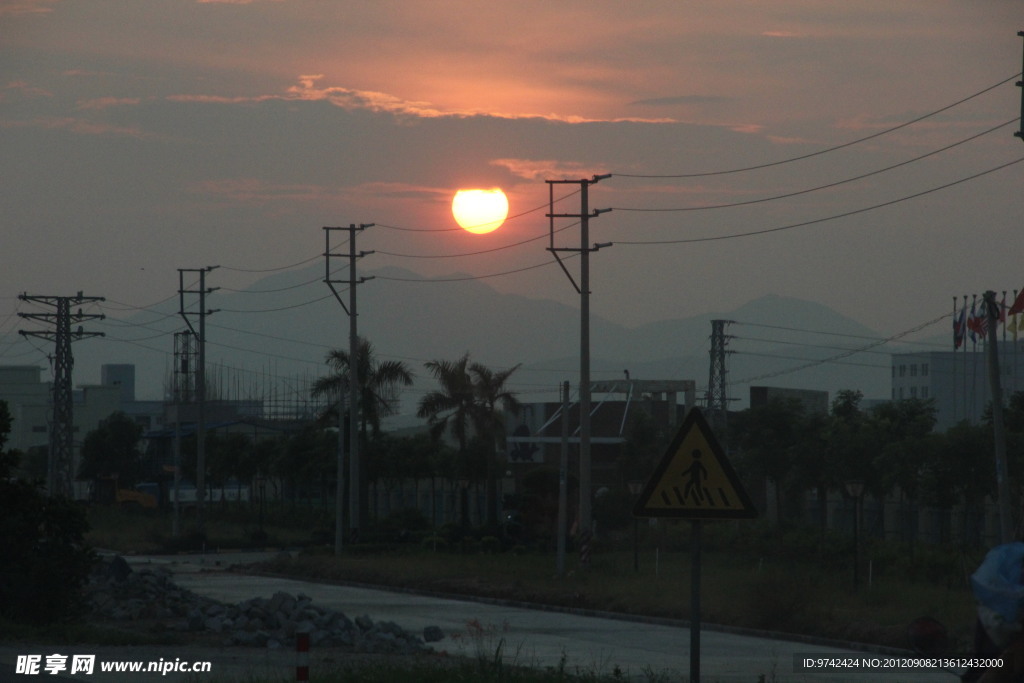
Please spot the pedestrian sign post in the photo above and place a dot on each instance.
(694, 481)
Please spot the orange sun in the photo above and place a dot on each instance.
(480, 211)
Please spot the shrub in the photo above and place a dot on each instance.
(490, 544)
(44, 562)
(436, 543)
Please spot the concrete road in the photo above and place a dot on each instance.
(547, 638)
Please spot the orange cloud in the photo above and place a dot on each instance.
(21, 7)
(23, 89)
(377, 101)
(106, 102)
(542, 169)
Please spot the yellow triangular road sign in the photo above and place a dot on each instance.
(694, 479)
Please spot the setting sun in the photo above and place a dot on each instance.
(480, 211)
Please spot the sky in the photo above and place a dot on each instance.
(139, 137)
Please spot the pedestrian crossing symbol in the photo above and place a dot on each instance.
(694, 479)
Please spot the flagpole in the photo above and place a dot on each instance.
(974, 356)
(964, 393)
(1015, 330)
(956, 345)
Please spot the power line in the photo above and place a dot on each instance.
(836, 362)
(274, 269)
(846, 354)
(823, 151)
(482, 251)
(827, 186)
(816, 221)
(507, 218)
(471, 277)
(825, 333)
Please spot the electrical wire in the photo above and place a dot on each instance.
(274, 269)
(846, 354)
(827, 150)
(508, 218)
(827, 186)
(816, 221)
(472, 277)
(275, 310)
(482, 251)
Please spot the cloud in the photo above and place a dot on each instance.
(681, 99)
(22, 7)
(542, 169)
(23, 89)
(351, 99)
(247, 190)
(99, 103)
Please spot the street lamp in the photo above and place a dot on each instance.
(635, 487)
(855, 487)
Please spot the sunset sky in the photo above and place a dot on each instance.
(142, 136)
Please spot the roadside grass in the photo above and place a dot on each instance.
(798, 582)
(74, 631)
(137, 531)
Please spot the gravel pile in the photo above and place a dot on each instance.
(116, 592)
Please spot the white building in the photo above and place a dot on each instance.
(957, 381)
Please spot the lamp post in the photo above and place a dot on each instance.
(855, 487)
(635, 487)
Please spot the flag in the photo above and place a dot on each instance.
(973, 322)
(1018, 304)
(959, 327)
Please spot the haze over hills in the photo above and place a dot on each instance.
(280, 329)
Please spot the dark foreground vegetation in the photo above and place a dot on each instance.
(797, 581)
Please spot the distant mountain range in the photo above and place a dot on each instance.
(280, 329)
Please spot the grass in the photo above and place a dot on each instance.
(739, 587)
(231, 526)
(752, 576)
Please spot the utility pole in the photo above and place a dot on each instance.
(61, 451)
(200, 383)
(998, 426)
(584, 216)
(354, 469)
(1020, 84)
(182, 393)
(717, 401)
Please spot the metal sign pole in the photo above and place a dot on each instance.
(695, 602)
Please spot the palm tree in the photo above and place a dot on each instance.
(470, 401)
(450, 408)
(379, 384)
(493, 400)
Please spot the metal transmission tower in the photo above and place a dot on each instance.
(717, 401)
(584, 216)
(354, 471)
(200, 375)
(59, 458)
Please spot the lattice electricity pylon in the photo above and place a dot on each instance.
(183, 382)
(717, 401)
(61, 450)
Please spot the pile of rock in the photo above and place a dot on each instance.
(116, 592)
